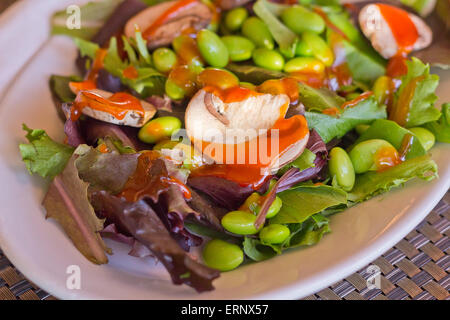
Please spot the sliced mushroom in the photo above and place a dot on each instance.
(194, 15)
(213, 122)
(132, 118)
(378, 31)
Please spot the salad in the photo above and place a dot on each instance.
(236, 126)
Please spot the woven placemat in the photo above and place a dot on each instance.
(416, 268)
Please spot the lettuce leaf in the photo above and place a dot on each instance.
(330, 127)
(302, 202)
(254, 74)
(318, 99)
(42, 155)
(93, 15)
(441, 127)
(390, 131)
(371, 184)
(67, 202)
(302, 234)
(421, 100)
(286, 39)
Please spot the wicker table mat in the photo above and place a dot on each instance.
(416, 268)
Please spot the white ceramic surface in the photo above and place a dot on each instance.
(42, 252)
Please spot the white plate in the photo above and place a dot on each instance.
(42, 252)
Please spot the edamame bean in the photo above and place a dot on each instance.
(235, 18)
(253, 204)
(239, 222)
(239, 48)
(269, 59)
(300, 19)
(212, 49)
(274, 233)
(159, 129)
(248, 85)
(221, 255)
(304, 65)
(258, 32)
(303, 49)
(164, 59)
(219, 78)
(381, 89)
(173, 91)
(425, 137)
(165, 144)
(361, 128)
(363, 154)
(319, 47)
(341, 168)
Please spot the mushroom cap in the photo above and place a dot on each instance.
(247, 121)
(378, 31)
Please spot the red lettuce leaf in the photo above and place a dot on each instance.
(141, 221)
(67, 202)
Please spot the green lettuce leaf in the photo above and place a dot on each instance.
(393, 133)
(59, 86)
(92, 15)
(329, 127)
(87, 48)
(286, 39)
(421, 104)
(370, 184)
(318, 99)
(67, 202)
(441, 127)
(302, 202)
(42, 155)
(254, 74)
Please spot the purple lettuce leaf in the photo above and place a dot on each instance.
(141, 221)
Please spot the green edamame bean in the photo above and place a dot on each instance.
(381, 89)
(303, 49)
(221, 255)
(319, 47)
(300, 19)
(274, 233)
(425, 137)
(239, 48)
(341, 168)
(304, 65)
(269, 59)
(253, 204)
(247, 85)
(212, 49)
(258, 32)
(274, 207)
(164, 59)
(165, 144)
(173, 91)
(363, 154)
(361, 128)
(235, 18)
(239, 222)
(159, 129)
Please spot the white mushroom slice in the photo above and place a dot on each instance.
(132, 118)
(210, 120)
(194, 15)
(378, 31)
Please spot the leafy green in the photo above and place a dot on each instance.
(302, 234)
(87, 48)
(42, 155)
(304, 161)
(441, 127)
(370, 184)
(318, 99)
(393, 133)
(59, 86)
(254, 74)
(329, 127)
(92, 16)
(67, 202)
(302, 202)
(286, 39)
(421, 102)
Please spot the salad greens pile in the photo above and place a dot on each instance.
(125, 183)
